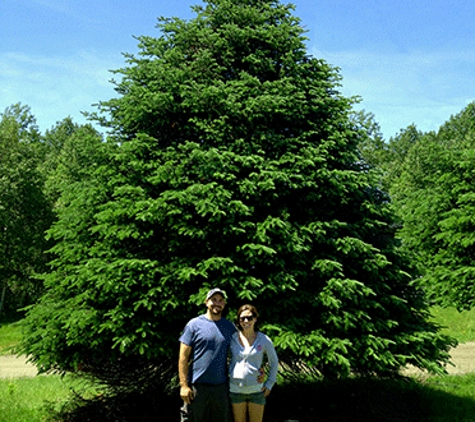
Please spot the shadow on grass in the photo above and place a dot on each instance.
(349, 400)
(367, 400)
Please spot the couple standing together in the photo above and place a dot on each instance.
(207, 383)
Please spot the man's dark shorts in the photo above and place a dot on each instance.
(210, 404)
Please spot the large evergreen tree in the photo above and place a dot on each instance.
(233, 163)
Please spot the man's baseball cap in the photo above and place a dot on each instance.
(215, 291)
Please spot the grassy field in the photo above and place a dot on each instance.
(33, 399)
(10, 335)
(435, 399)
(460, 325)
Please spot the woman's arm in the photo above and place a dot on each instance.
(273, 363)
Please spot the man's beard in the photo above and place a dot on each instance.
(216, 310)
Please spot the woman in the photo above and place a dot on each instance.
(248, 346)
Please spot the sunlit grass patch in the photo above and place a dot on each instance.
(32, 399)
(10, 335)
(460, 325)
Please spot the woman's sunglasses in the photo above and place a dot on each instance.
(249, 318)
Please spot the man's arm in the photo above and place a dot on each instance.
(186, 393)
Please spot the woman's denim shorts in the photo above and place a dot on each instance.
(257, 398)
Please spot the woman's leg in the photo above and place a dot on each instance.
(256, 412)
(240, 412)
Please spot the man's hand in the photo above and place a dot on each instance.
(186, 394)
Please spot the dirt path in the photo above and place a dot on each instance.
(16, 367)
(463, 356)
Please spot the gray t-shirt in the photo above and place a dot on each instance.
(210, 343)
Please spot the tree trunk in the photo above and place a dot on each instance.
(2, 298)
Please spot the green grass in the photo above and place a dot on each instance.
(460, 325)
(437, 399)
(451, 398)
(10, 335)
(33, 399)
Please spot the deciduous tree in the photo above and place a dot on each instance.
(25, 214)
(434, 197)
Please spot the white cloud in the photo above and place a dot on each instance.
(61, 6)
(405, 88)
(400, 89)
(55, 87)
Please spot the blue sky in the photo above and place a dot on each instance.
(411, 61)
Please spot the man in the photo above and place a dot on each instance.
(204, 382)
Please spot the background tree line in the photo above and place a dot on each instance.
(34, 168)
(431, 181)
(232, 159)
